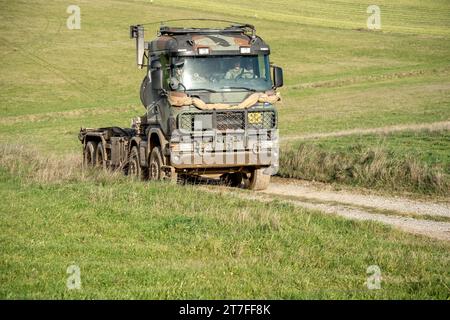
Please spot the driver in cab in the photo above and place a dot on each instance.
(237, 72)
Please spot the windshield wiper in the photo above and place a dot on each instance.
(248, 89)
(202, 89)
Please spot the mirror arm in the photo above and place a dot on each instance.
(184, 87)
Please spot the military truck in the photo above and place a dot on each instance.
(209, 95)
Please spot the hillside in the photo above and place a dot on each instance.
(348, 93)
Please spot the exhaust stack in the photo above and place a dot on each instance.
(137, 32)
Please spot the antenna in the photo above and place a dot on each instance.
(233, 23)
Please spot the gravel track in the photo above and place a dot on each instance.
(304, 190)
(357, 206)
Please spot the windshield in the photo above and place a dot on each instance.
(223, 73)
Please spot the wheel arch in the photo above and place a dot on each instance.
(156, 138)
(134, 142)
(97, 138)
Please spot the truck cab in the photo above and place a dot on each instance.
(209, 96)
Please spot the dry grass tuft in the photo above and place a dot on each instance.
(372, 167)
(33, 167)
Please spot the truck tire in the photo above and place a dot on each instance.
(155, 163)
(134, 166)
(89, 158)
(258, 180)
(100, 158)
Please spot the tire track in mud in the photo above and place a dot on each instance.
(69, 114)
(432, 126)
(370, 78)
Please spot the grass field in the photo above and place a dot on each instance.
(151, 240)
(156, 240)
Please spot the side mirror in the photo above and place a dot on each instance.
(277, 77)
(156, 75)
(137, 32)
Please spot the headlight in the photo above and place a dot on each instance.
(266, 144)
(181, 147)
(203, 51)
(245, 50)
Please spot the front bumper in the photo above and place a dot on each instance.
(214, 149)
(224, 159)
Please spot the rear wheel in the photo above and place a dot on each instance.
(258, 180)
(134, 167)
(89, 158)
(100, 157)
(155, 163)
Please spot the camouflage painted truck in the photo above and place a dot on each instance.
(209, 95)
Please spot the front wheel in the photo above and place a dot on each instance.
(258, 180)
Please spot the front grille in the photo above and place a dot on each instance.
(196, 121)
(230, 120)
(227, 120)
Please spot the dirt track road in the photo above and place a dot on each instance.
(425, 218)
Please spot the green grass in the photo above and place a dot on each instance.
(160, 241)
(365, 106)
